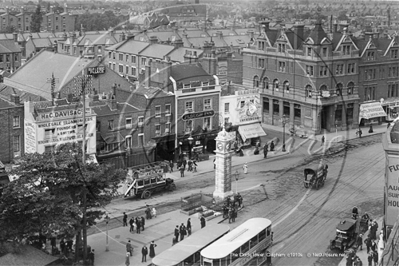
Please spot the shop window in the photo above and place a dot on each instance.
(297, 111)
(286, 108)
(276, 107)
(266, 105)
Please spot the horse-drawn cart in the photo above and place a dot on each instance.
(315, 178)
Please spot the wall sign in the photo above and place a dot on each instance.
(392, 190)
(96, 70)
(202, 114)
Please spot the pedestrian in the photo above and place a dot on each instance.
(245, 168)
(203, 222)
(370, 258)
(181, 169)
(129, 248)
(359, 133)
(367, 241)
(182, 231)
(131, 221)
(189, 226)
(154, 212)
(124, 219)
(375, 258)
(359, 241)
(152, 249)
(144, 252)
(214, 163)
(230, 215)
(138, 223)
(148, 213)
(91, 257)
(272, 146)
(194, 166)
(357, 261)
(373, 246)
(142, 223)
(323, 139)
(171, 164)
(234, 214)
(239, 199)
(127, 260)
(177, 233)
(265, 150)
(190, 165)
(69, 244)
(184, 163)
(174, 240)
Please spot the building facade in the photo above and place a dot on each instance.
(12, 129)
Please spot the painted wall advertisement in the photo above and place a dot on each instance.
(248, 106)
(30, 137)
(392, 189)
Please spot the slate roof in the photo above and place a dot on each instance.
(9, 46)
(130, 46)
(6, 104)
(6, 91)
(157, 50)
(199, 41)
(42, 42)
(185, 72)
(177, 55)
(237, 40)
(272, 35)
(151, 92)
(99, 39)
(32, 77)
(317, 34)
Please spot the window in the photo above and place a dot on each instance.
(167, 128)
(157, 129)
(349, 113)
(351, 85)
(129, 122)
(281, 66)
(127, 69)
(351, 68)
(7, 58)
(297, 111)
(276, 84)
(370, 74)
(128, 142)
(140, 121)
(207, 123)
(127, 58)
(16, 143)
(286, 86)
(323, 71)
(109, 55)
(339, 89)
(308, 91)
(261, 63)
(324, 51)
(16, 122)
(205, 83)
(121, 57)
(226, 107)
(256, 82)
(286, 109)
(394, 53)
(346, 49)
(120, 68)
(49, 133)
(276, 107)
(113, 55)
(133, 58)
(338, 114)
(370, 55)
(113, 66)
(167, 109)
(134, 71)
(143, 61)
(309, 71)
(157, 111)
(207, 104)
(309, 51)
(339, 70)
(281, 47)
(141, 139)
(369, 93)
(266, 105)
(261, 45)
(16, 57)
(110, 124)
(189, 107)
(265, 83)
(49, 149)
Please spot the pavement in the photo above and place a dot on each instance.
(160, 229)
(362, 254)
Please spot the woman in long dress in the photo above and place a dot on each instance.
(245, 168)
(152, 249)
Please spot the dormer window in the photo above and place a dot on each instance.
(324, 51)
(261, 45)
(346, 49)
(281, 47)
(309, 51)
(370, 55)
(394, 53)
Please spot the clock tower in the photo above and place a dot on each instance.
(223, 167)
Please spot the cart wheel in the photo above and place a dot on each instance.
(146, 194)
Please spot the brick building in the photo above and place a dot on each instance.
(56, 22)
(12, 128)
(197, 96)
(308, 79)
(10, 55)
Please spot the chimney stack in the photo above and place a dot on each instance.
(298, 34)
(264, 26)
(153, 39)
(15, 35)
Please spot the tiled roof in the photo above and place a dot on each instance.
(9, 46)
(185, 72)
(157, 50)
(42, 42)
(32, 77)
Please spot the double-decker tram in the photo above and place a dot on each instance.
(187, 251)
(248, 244)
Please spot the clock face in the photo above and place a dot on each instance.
(220, 146)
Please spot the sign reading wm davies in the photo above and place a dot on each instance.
(190, 116)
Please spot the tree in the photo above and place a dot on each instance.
(37, 19)
(53, 193)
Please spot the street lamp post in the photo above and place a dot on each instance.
(190, 142)
(106, 237)
(237, 174)
(284, 122)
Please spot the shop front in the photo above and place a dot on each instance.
(198, 145)
(391, 107)
(371, 113)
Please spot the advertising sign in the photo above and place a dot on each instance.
(249, 109)
(371, 110)
(392, 189)
(30, 137)
(202, 114)
(96, 70)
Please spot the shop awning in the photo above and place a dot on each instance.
(251, 131)
(371, 110)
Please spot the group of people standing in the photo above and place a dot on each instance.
(181, 231)
(191, 166)
(144, 252)
(266, 148)
(230, 207)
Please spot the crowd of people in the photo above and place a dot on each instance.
(230, 207)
